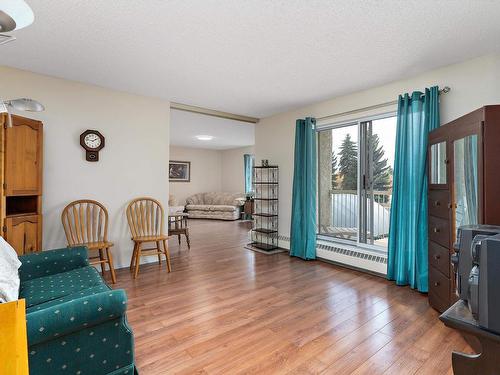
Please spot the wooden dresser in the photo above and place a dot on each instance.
(21, 178)
(464, 188)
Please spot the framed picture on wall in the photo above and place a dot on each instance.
(179, 171)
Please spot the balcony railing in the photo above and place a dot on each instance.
(345, 210)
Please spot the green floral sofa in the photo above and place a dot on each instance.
(76, 323)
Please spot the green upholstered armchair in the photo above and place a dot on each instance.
(76, 324)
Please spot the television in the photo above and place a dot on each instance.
(477, 265)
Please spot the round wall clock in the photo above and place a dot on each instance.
(92, 141)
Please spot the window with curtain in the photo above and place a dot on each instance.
(248, 162)
(355, 164)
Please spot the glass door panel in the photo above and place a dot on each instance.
(465, 156)
(378, 140)
(355, 167)
(338, 182)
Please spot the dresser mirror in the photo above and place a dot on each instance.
(438, 163)
(465, 180)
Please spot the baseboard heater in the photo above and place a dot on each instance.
(346, 255)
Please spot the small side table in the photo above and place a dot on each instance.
(459, 317)
(248, 209)
(177, 225)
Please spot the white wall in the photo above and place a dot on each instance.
(133, 162)
(473, 84)
(233, 169)
(211, 170)
(205, 172)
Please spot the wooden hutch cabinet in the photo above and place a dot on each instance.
(21, 178)
(464, 188)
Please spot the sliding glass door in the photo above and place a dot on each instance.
(355, 180)
(338, 182)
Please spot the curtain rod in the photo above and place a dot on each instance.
(444, 90)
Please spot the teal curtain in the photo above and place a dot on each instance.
(407, 253)
(248, 161)
(303, 226)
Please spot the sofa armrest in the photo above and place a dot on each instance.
(239, 202)
(75, 315)
(46, 263)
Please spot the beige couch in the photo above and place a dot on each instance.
(223, 206)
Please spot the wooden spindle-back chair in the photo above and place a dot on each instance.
(177, 225)
(145, 218)
(85, 223)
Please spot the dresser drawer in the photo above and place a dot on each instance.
(437, 302)
(439, 230)
(439, 257)
(439, 285)
(439, 203)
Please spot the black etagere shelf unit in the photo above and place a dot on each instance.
(265, 217)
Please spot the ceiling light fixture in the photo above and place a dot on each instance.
(204, 137)
(14, 15)
(25, 104)
(21, 104)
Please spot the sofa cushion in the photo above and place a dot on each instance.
(210, 207)
(217, 198)
(51, 262)
(219, 215)
(9, 276)
(48, 288)
(70, 297)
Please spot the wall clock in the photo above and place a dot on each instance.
(92, 141)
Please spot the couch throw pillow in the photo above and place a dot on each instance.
(9, 272)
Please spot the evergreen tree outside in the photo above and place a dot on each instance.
(348, 163)
(381, 170)
(334, 171)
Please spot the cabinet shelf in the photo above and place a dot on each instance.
(265, 179)
(265, 230)
(264, 246)
(22, 215)
(21, 205)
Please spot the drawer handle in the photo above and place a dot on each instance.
(437, 257)
(437, 203)
(436, 230)
(436, 283)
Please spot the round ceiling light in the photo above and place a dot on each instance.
(204, 137)
(14, 15)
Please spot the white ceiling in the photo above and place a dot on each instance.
(185, 126)
(254, 57)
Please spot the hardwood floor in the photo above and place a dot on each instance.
(228, 310)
